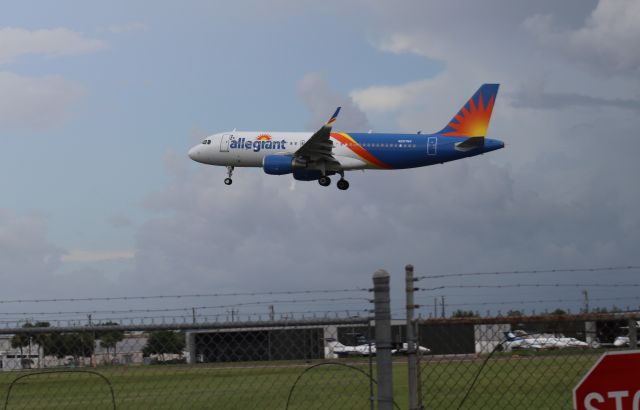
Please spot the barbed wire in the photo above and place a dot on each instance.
(533, 271)
(195, 295)
(535, 285)
(522, 302)
(189, 308)
(199, 318)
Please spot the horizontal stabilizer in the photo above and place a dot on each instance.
(470, 144)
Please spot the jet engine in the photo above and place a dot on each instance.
(280, 164)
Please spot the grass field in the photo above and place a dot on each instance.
(507, 381)
(537, 380)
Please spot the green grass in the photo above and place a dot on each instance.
(542, 381)
(507, 381)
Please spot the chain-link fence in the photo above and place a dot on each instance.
(516, 361)
(343, 362)
(267, 365)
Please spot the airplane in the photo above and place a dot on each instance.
(340, 350)
(522, 340)
(404, 349)
(317, 156)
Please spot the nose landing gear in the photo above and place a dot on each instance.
(228, 180)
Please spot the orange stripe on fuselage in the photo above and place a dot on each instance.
(358, 149)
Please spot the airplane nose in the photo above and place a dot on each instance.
(193, 153)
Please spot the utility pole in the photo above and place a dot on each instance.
(435, 307)
(586, 300)
(442, 298)
(272, 313)
(193, 314)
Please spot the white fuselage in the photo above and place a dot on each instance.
(245, 149)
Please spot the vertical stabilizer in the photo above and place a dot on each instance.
(473, 118)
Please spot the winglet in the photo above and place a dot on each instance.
(333, 118)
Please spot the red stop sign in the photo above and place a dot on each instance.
(612, 383)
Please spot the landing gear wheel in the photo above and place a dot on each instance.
(227, 180)
(343, 184)
(324, 181)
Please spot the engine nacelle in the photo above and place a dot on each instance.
(278, 164)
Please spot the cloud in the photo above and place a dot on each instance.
(607, 42)
(533, 95)
(127, 27)
(316, 93)
(36, 102)
(83, 255)
(119, 221)
(552, 198)
(17, 42)
(27, 257)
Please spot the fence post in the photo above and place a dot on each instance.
(412, 359)
(190, 344)
(381, 300)
(633, 333)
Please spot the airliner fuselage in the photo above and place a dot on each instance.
(316, 156)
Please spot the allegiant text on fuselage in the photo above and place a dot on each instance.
(257, 145)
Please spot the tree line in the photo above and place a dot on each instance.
(83, 344)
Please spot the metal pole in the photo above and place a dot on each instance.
(382, 304)
(633, 334)
(586, 300)
(412, 360)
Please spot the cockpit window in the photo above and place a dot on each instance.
(204, 142)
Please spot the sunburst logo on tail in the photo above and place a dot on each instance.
(473, 119)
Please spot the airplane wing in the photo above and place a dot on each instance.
(319, 147)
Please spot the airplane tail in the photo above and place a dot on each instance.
(333, 343)
(473, 118)
(509, 336)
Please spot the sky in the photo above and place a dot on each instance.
(99, 104)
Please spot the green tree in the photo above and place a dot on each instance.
(559, 312)
(164, 342)
(464, 313)
(22, 340)
(514, 313)
(81, 344)
(110, 338)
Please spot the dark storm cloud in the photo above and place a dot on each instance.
(555, 197)
(562, 193)
(318, 96)
(541, 99)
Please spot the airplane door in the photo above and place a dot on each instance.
(432, 145)
(224, 142)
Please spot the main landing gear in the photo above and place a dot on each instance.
(228, 180)
(342, 184)
(324, 181)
